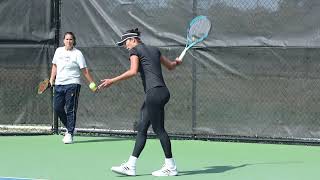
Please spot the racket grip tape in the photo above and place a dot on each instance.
(182, 54)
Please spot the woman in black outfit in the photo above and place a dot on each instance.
(147, 61)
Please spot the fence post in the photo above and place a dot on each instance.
(194, 80)
(57, 19)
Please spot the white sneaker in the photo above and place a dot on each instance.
(124, 169)
(166, 171)
(68, 139)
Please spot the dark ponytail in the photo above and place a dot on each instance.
(136, 30)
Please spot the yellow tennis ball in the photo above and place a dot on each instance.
(93, 86)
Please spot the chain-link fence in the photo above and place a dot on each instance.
(256, 76)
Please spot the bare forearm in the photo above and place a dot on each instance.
(169, 64)
(53, 73)
(87, 75)
(126, 75)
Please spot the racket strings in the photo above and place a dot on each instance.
(43, 86)
(199, 29)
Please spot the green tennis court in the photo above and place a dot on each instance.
(90, 158)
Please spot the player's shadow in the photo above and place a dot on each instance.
(218, 169)
(211, 169)
(208, 170)
(99, 140)
(221, 169)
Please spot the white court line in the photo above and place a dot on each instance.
(17, 178)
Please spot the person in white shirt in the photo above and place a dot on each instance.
(67, 65)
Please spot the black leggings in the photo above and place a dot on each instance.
(152, 113)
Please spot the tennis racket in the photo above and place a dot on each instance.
(198, 30)
(43, 86)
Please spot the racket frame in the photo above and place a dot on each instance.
(48, 85)
(191, 43)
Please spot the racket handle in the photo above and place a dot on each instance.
(182, 54)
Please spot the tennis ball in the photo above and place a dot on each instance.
(93, 86)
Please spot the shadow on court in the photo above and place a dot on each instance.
(99, 140)
(221, 169)
(137, 175)
(207, 170)
(211, 169)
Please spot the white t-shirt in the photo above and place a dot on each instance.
(69, 64)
